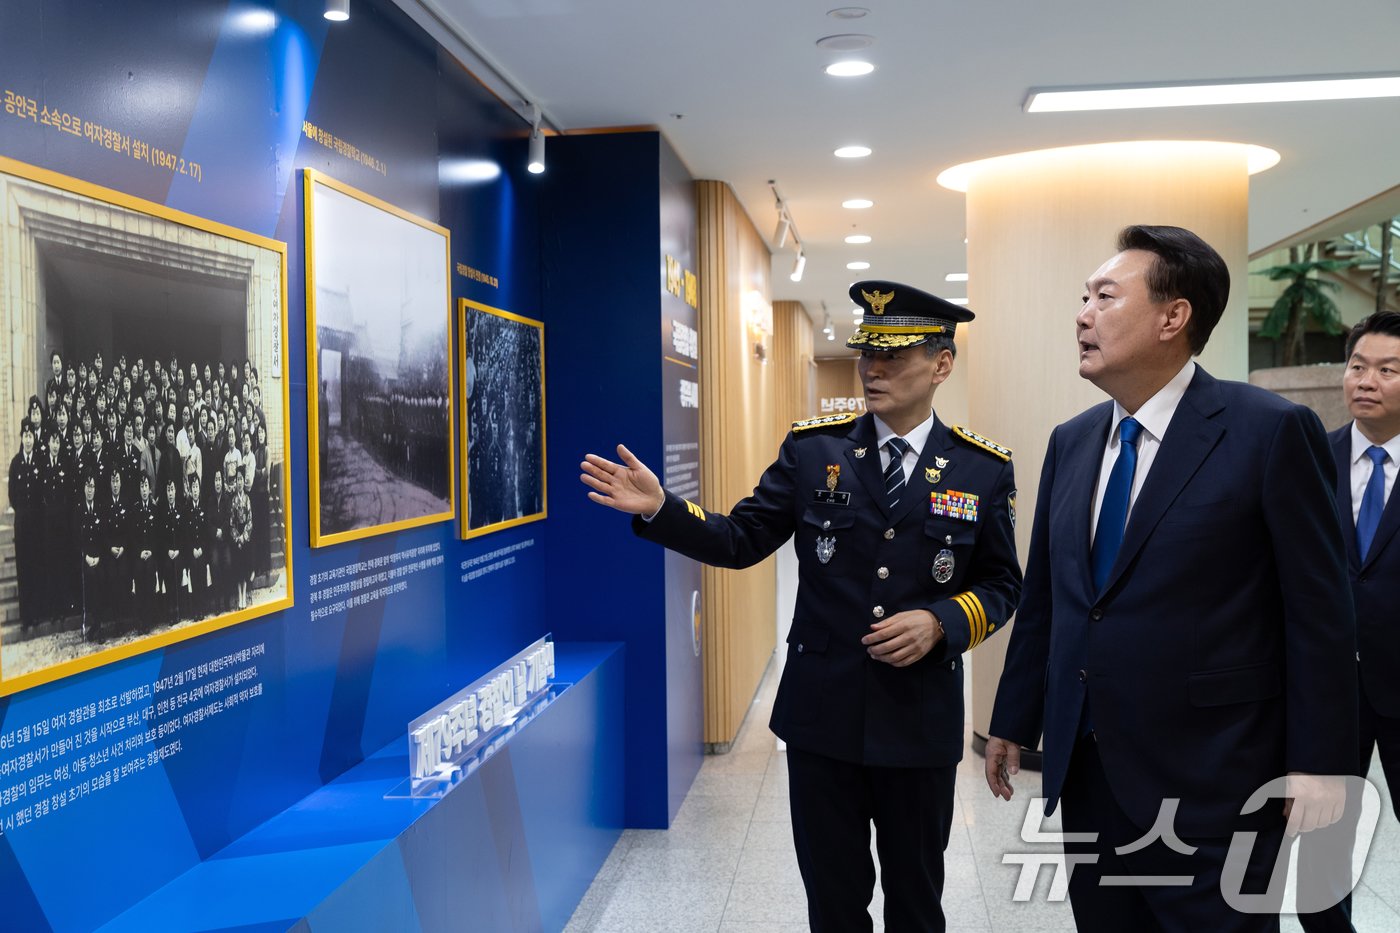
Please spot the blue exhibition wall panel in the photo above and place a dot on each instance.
(604, 281)
(179, 746)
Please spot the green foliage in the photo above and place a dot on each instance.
(1305, 298)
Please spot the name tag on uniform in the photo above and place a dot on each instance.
(953, 504)
(831, 497)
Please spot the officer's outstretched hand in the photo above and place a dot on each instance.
(903, 638)
(627, 486)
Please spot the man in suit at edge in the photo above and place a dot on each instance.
(1180, 640)
(1366, 452)
(907, 558)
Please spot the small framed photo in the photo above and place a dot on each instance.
(147, 497)
(379, 365)
(503, 430)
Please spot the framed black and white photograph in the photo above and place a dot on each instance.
(503, 444)
(379, 365)
(147, 493)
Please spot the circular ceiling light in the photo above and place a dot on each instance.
(852, 152)
(858, 238)
(858, 265)
(858, 311)
(849, 42)
(850, 68)
(857, 204)
(847, 12)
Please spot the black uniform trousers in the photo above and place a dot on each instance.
(833, 804)
(1195, 907)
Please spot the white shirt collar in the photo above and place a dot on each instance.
(1360, 444)
(1155, 415)
(916, 437)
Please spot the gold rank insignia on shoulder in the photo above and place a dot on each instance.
(977, 440)
(826, 421)
(694, 509)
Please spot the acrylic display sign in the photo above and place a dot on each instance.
(447, 743)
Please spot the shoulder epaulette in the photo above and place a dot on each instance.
(826, 421)
(977, 440)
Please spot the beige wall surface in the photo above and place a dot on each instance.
(739, 388)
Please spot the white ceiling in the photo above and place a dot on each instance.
(737, 87)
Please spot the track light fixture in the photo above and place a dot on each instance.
(786, 229)
(337, 11)
(780, 232)
(535, 165)
(799, 266)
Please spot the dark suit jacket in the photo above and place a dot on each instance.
(1375, 584)
(834, 700)
(1219, 654)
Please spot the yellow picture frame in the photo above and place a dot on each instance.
(501, 514)
(383, 424)
(49, 208)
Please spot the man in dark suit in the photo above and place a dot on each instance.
(1366, 452)
(906, 559)
(1184, 636)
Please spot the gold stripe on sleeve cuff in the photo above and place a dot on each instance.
(976, 618)
(695, 509)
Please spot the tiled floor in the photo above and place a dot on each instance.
(726, 864)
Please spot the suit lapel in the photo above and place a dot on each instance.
(863, 458)
(1190, 438)
(1082, 464)
(1341, 452)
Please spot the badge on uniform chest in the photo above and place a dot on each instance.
(829, 495)
(950, 503)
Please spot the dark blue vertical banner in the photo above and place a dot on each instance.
(604, 279)
(680, 416)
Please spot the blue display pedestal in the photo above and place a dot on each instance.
(514, 846)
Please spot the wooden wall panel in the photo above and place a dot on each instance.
(737, 417)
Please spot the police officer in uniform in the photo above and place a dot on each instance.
(906, 552)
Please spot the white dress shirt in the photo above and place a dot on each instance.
(1155, 416)
(917, 438)
(1361, 467)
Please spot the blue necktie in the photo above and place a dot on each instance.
(1113, 512)
(1372, 502)
(894, 473)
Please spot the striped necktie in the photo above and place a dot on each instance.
(894, 473)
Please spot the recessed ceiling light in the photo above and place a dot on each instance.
(858, 311)
(847, 12)
(858, 265)
(858, 204)
(955, 277)
(956, 301)
(858, 238)
(852, 152)
(848, 42)
(850, 68)
(1337, 87)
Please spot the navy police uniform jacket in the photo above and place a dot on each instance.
(948, 547)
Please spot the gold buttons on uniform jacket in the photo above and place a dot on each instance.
(883, 573)
(889, 534)
(878, 612)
